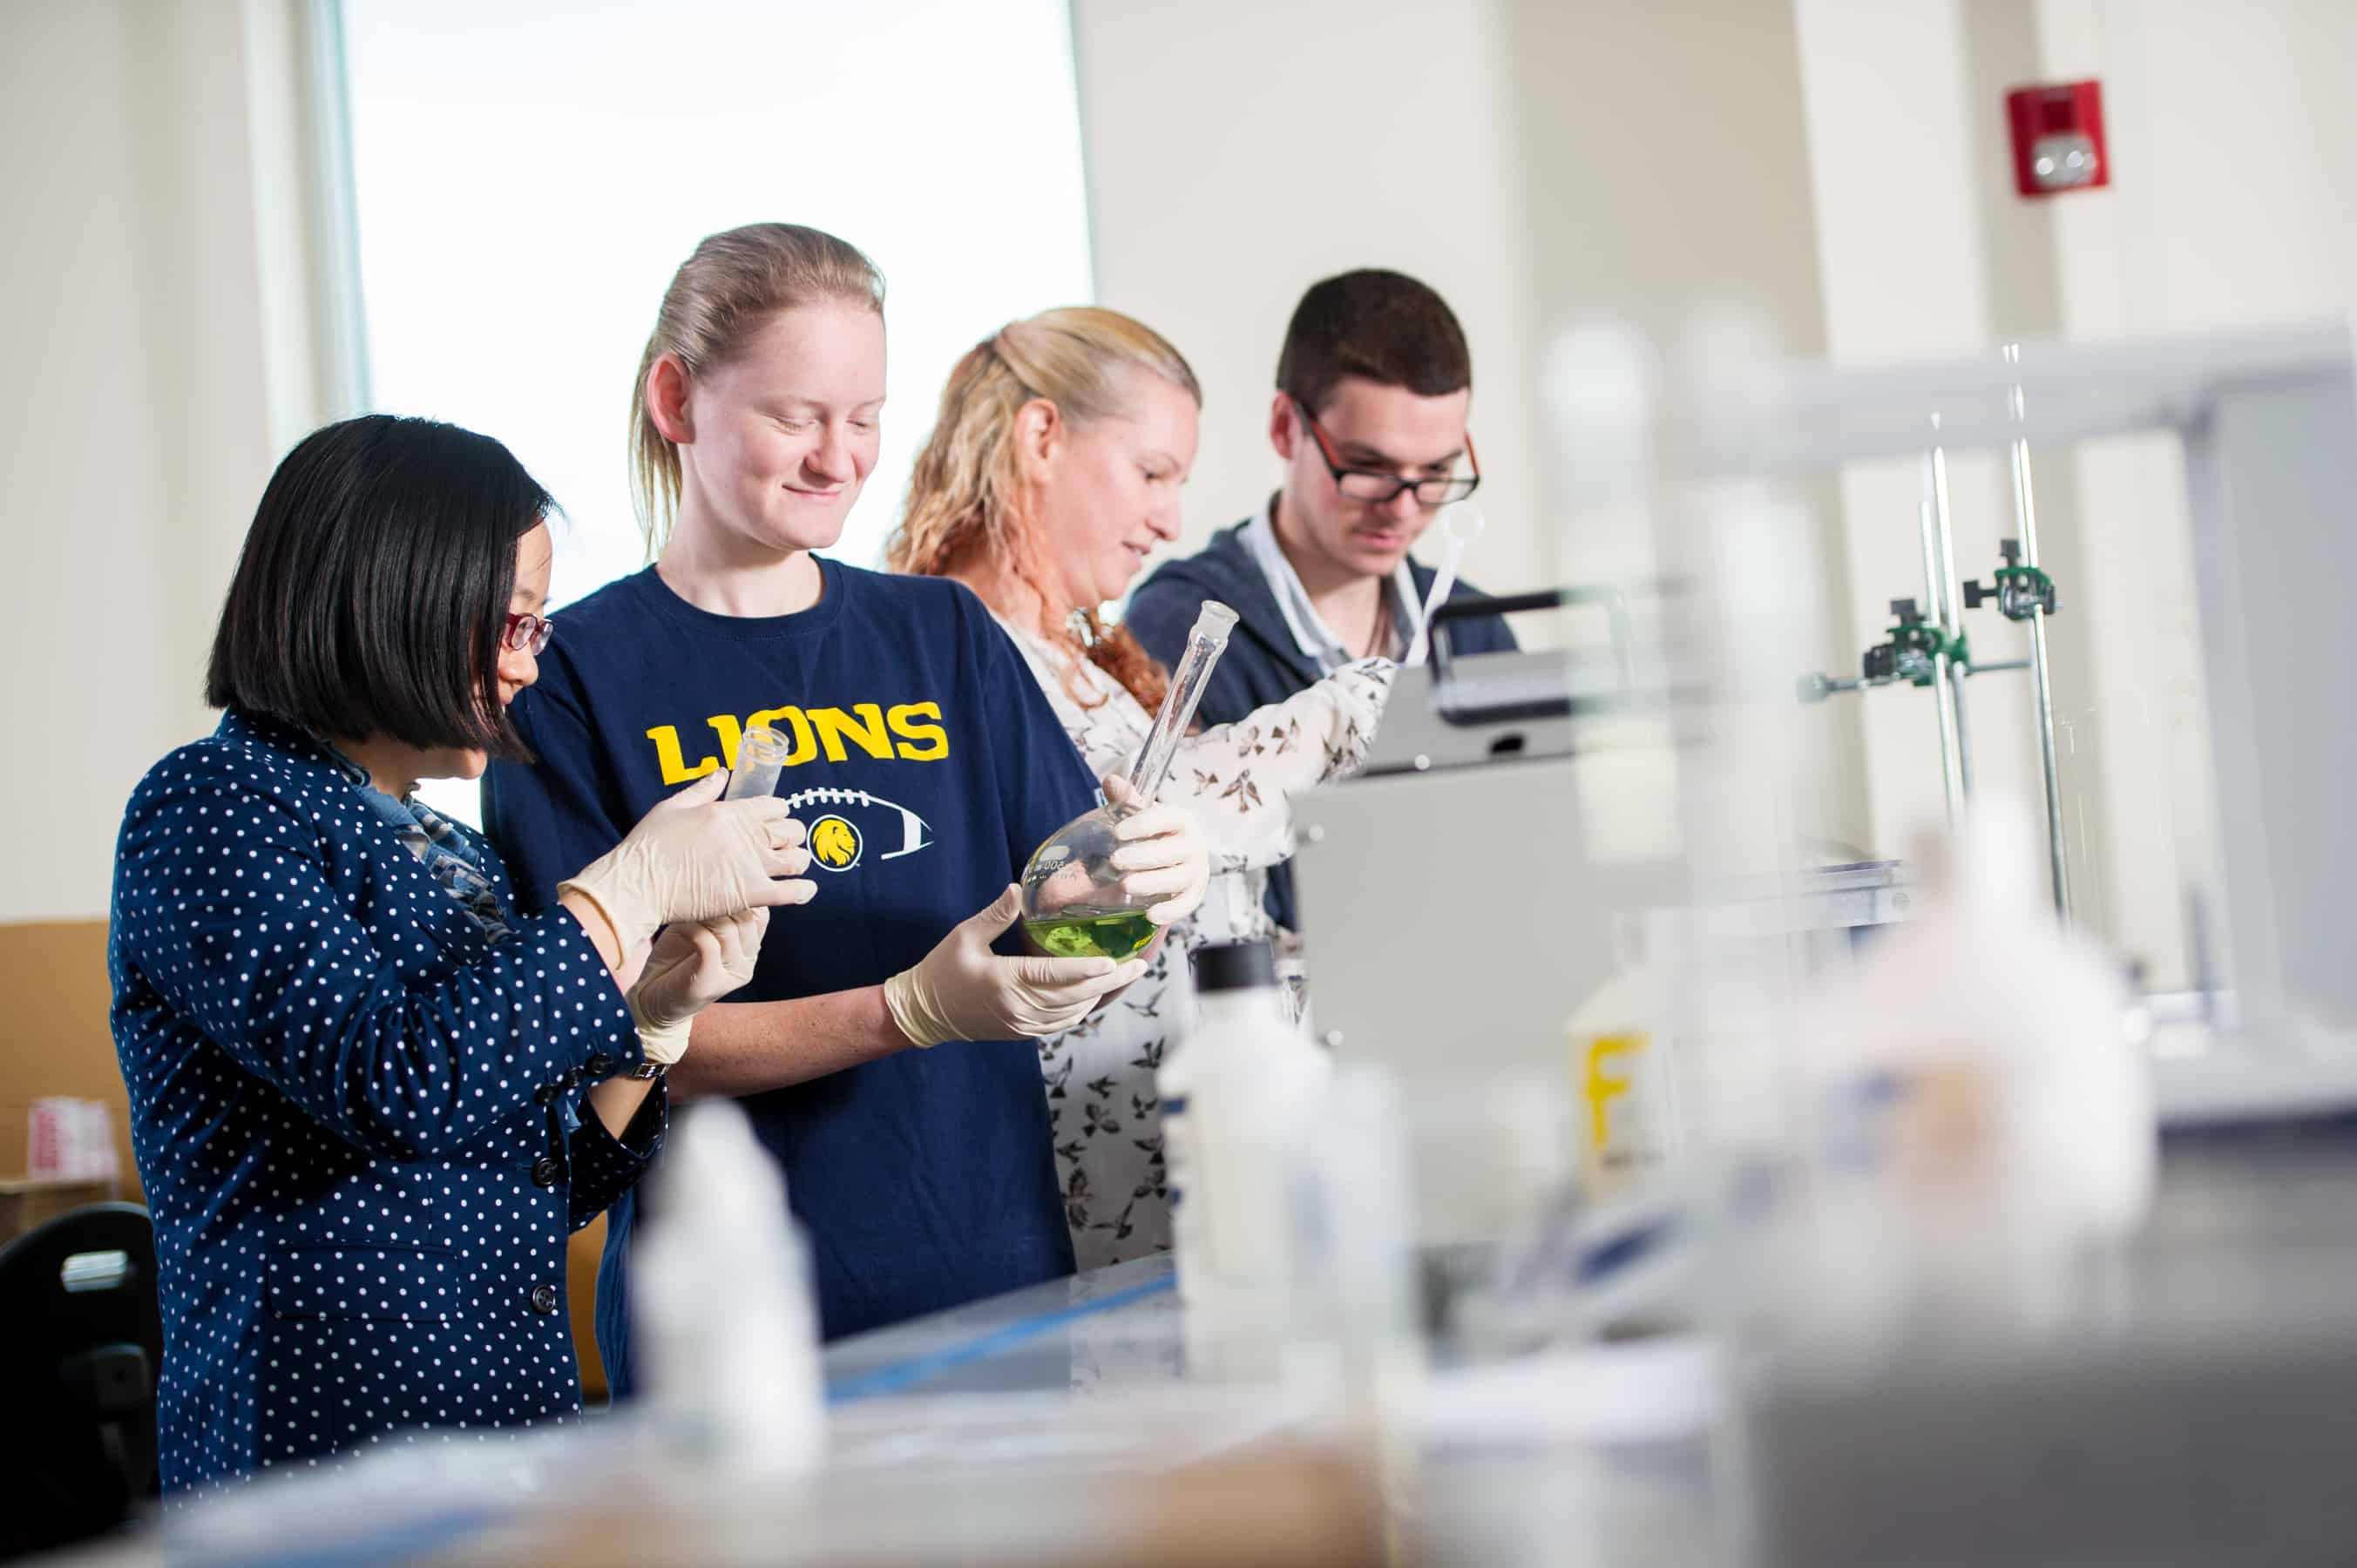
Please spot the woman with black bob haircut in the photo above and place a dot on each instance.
(369, 1100)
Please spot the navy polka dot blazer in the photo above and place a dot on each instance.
(358, 1118)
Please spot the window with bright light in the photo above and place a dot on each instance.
(526, 179)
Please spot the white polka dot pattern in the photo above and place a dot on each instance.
(358, 1120)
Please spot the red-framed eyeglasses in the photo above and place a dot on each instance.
(527, 631)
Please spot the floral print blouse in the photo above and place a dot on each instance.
(1241, 778)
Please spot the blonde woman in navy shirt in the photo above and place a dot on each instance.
(886, 1055)
(368, 1099)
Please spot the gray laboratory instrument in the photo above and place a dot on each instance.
(1457, 904)
(1452, 908)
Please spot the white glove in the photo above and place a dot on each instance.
(693, 964)
(1163, 851)
(963, 991)
(694, 857)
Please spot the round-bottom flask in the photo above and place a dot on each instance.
(1075, 902)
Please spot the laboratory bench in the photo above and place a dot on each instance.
(1063, 1424)
(2190, 1399)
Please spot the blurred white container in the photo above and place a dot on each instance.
(722, 1303)
(1982, 1113)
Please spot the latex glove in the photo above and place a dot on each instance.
(693, 964)
(1163, 851)
(695, 857)
(963, 991)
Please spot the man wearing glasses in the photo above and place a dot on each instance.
(1373, 387)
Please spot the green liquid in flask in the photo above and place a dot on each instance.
(1076, 901)
(1114, 937)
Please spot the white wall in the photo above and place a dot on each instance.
(1240, 150)
(2233, 139)
(136, 413)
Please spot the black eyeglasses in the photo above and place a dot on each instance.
(526, 630)
(1376, 485)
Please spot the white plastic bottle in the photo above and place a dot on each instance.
(722, 1306)
(1233, 1097)
(1621, 1071)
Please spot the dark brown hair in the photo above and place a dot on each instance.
(1382, 326)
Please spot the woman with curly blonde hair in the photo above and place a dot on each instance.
(1052, 471)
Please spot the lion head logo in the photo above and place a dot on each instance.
(834, 844)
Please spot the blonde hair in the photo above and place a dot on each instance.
(967, 496)
(722, 294)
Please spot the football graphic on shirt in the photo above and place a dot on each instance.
(852, 821)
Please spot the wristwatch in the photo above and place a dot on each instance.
(647, 1070)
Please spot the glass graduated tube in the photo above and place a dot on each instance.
(760, 757)
(1074, 905)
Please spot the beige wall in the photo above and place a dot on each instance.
(135, 411)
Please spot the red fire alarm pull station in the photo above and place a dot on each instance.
(2057, 137)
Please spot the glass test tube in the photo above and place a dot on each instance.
(760, 757)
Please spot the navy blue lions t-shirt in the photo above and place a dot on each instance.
(927, 766)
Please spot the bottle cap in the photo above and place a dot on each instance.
(1234, 966)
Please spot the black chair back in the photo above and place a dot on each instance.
(81, 1343)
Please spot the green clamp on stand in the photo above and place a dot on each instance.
(2021, 590)
(1914, 648)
